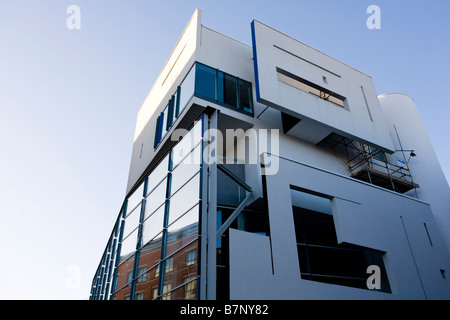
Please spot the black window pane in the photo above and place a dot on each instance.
(230, 90)
(245, 96)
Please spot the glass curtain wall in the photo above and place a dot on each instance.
(160, 229)
(103, 279)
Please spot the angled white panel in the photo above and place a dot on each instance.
(360, 117)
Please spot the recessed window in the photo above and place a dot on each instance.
(320, 256)
(309, 87)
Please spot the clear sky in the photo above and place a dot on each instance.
(69, 100)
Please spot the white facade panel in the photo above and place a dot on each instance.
(176, 68)
(366, 216)
(360, 118)
(408, 133)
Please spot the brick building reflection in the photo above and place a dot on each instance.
(180, 268)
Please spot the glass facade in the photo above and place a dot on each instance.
(209, 84)
(222, 88)
(152, 252)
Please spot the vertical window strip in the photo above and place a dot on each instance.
(156, 132)
(170, 113)
(177, 102)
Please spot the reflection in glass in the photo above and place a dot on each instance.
(151, 255)
(185, 170)
(186, 144)
(157, 174)
(187, 89)
(165, 117)
(182, 273)
(123, 294)
(123, 274)
(147, 283)
(186, 292)
(135, 198)
(155, 199)
(205, 82)
(132, 221)
(185, 198)
(128, 246)
(153, 225)
(183, 231)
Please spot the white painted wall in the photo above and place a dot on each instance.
(364, 215)
(305, 62)
(172, 74)
(401, 111)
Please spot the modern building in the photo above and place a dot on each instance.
(274, 171)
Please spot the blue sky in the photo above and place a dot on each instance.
(69, 100)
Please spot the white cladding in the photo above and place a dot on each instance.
(407, 129)
(360, 119)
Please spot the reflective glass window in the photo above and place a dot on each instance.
(147, 284)
(245, 96)
(153, 225)
(186, 144)
(186, 169)
(230, 90)
(181, 273)
(186, 292)
(156, 198)
(205, 81)
(135, 198)
(165, 118)
(182, 231)
(123, 272)
(186, 90)
(128, 245)
(132, 221)
(158, 173)
(185, 198)
(123, 294)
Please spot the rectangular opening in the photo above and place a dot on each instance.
(309, 87)
(321, 257)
